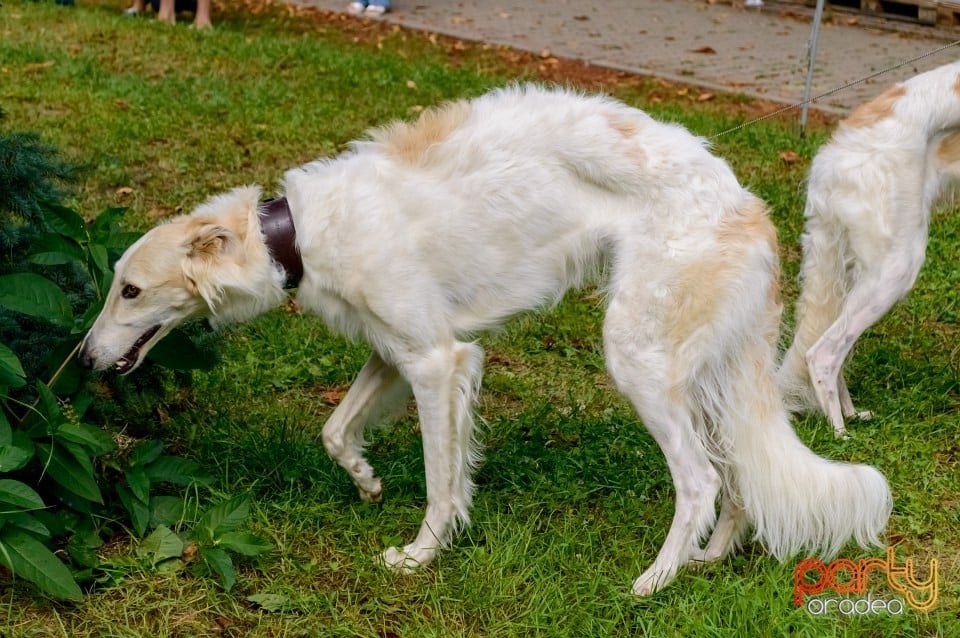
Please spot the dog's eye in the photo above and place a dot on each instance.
(129, 291)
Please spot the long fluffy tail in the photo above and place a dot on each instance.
(795, 499)
(824, 280)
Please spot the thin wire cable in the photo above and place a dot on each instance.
(791, 107)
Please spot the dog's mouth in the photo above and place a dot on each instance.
(128, 361)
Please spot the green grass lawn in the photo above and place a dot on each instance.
(574, 498)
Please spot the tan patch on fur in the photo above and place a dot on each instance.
(876, 110)
(949, 150)
(956, 85)
(411, 142)
(626, 128)
(703, 287)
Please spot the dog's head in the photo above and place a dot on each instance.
(190, 267)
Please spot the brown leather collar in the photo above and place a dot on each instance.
(277, 225)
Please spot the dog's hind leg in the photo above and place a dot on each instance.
(871, 297)
(729, 531)
(445, 382)
(642, 371)
(378, 388)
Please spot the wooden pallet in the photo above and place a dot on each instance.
(921, 11)
(948, 12)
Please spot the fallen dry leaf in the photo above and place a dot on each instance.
(123, 191)
(789, 157)
(705, 50)
(706, 96)
(411, 84)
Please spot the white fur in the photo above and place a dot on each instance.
(867, 215)
(427, 233)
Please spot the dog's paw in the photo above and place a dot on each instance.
(652, 580)
(399, 561)
(372, 492)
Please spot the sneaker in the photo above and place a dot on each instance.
(377, 7)
(356, 8)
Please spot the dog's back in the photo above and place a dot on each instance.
(505, 202)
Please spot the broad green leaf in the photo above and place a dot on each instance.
(162, 544)
(65, 221)
(223, 517)
(139, 484)
(29, 523)
(166, 510)
(36, 296)
(93, 439)
(138, 510)
(146, 452)
(98, 253)
(176, 470)
(219, 563)
(54, 250)
(83, 547)
(19, 495)
(105, 282)
(64, 468)
(85, 321)
(106, 223)
(178, 352)
(80, 455)
(29, 559)
(244, 544)
(11, 371)
(49, 406)
(17, 454)
(120, 241)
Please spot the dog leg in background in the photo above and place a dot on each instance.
(641, 374)
(377, 389)
(869, 299)
(445, 382)
(730, 529)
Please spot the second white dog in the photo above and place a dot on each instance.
(421, 237)
(868, 211)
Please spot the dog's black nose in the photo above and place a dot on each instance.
(86, 361)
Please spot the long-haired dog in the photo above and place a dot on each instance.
(427, 233)
(869, 195)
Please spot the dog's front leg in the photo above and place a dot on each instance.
(445, 382)
(377, 389)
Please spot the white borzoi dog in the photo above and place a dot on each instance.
(867, 215)
(427, 233)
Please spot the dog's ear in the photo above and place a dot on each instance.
(212, 241)
(211, 250)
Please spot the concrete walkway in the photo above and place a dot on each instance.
(757, 52)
